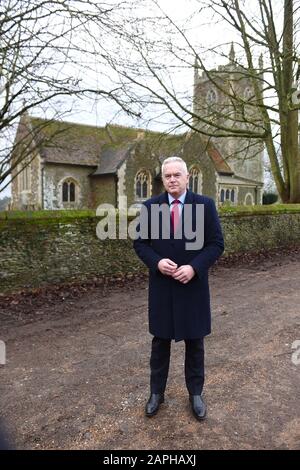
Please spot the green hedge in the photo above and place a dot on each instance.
(46, 214)
(260, 209)
(223, 210)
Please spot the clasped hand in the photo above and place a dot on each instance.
(182, 273)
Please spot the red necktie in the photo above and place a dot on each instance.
(175, 214)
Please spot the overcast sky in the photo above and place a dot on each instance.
(200, 31)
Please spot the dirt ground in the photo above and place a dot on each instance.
(77, 366)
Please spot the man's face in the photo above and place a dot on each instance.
(175, 179)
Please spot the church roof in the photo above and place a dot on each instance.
(113, 155)
(239, 180)
(79, 144)
(105, 148)
(68, 143)
(111, 159)
(221, 165)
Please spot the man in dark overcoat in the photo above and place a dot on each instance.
(179, 299)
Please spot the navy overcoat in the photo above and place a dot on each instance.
(176, 310)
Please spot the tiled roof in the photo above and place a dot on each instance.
(111, 159)
(220, 164)
(114, 154)
(79, 144)
(107, 147)
(70, 143)
(235, 179)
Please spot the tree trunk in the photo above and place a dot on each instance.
(289, 121)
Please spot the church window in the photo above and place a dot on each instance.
(249, 200)
(138, 189)
(195, 180)
(68, 191)
(142, 185)
(228, 195)
(65, 192)
(72, 192)
(211, 97)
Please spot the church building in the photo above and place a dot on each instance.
(76, 166)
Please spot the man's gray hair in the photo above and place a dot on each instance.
(171, 160)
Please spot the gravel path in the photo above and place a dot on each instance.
(76, 375)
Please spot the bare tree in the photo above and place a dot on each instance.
(49, 48)
(47, 55)
(265, 55)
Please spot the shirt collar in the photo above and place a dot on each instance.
(181, 198)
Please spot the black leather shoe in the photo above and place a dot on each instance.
(153, 403)
(198, 407)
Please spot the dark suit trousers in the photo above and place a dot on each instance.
(193, 366)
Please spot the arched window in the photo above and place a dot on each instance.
(65, 192)
(72, 192)
(195, 180)
(145, 189)
(232, 195)
(222, 196)
(142, 184)
(211, 97)
(249, 200)
(68, 191)
(138, 189)
(227, 197)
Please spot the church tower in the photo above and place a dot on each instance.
(212, 103)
